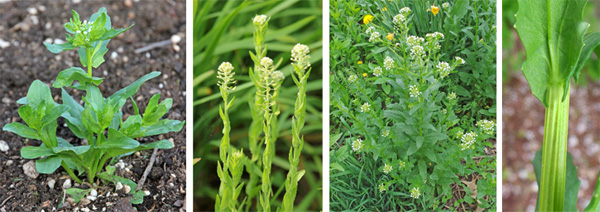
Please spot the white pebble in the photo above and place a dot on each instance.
(126, 188)
(32, 11)
(176, 48)
(93, 192)
(92, 198)
(9, 162)
(29, 170)
(105, 73)
(48, 40)
(119, 186)
(76, 1)
(4, 44)
(175, 38)
(58, 41)
(120, 164)
(148, 55)
(161, 86)
(3, 146)
(147, 192)
(51, 183)
(183, 93)
(67, 184)
(114, 55)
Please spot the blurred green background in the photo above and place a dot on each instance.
(523, 119)
(223, 31)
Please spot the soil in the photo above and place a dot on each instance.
(23, 58)
(523, 128)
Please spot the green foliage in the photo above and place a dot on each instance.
(224, 32)
(99, 120)
(408, 114)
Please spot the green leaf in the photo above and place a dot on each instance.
(422, 169)
(571, 185)
(73, 116)
(77, 193)
(120, 97)
(47, 165)
(22, 130)
(591, 41)
(161, 127)
(57, 48)
(98, 49)
(138, 197)
(595, 201)
(66, 77)
(111, 33)
(39, 93)
(116, 140)
(32, 152)
(107, 24)
(75, 149)
(53, 114)
(552, 33)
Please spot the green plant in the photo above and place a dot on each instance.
(267, 81)
(409, 116)
(553, 33)
(99, 121)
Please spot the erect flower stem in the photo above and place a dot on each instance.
(88, 53)
(554, 155)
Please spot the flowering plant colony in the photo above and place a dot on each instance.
(264, 109)
(400, 116)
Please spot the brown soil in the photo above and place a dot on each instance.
(26, 24)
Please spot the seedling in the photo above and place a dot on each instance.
(553, 33)
(99, 121)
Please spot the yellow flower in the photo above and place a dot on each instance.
(435, 10)
(364, 74)
(359, 62)
(384, 9)
(390, 36)
(367, 19)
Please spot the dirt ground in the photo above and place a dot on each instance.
(23, 58)
(523, 128)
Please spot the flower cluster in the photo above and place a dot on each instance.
(417, 52)
(377, 71)
(399, 19)
(365, 107)
(433, 40)
(352, 78)
(405, 11)
(357, 145)
(387, 168)
(468, 139)
(374, 36)
(451, 96)
(415, 193)
(300, 56)
(445, 5)
(381, 187)
(487, 126)
(225, 74)
(388, 63)
(385, 132)
(459, 60)
(414, 40)
(414, 91)
(402, 164)
(260, 20)
(443, 68)
(370, 30)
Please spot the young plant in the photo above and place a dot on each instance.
(553, 33)
(264, 109)
(99, 121)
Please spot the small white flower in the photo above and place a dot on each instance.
(266, 62)
(445, 5)
(377, 71)
(78, 32)
(357, 145)
(226, 74)
(387, 168)
(417, 52)
(468, 139)
(385, 133)
(352, 78)
(415, 193)
(443, 68)
(434, 36)
(260, 20)
(414, 91)
(402, 164)
(405, 11)
(459, 60)
(414, 40)
(444, 111)
(399, 19)
(487, 126)
(278, 76)
(365, 107)
(451, 96)
(370, 30)
(381, 187)
(374, 36)
(388, 63)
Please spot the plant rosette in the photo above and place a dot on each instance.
(99, 121)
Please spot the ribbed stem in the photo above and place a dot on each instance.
(554, 156)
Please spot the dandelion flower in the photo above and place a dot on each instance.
(367, 19)
(365, 107)
(451, 96)
(364, 74)
(445, 5)
(384, 9)
(435, 10)
(415, 193)
(390, 36)
(357, 145)
(399, 19)
(388, 63)
(387, 168)
(487, 126)
(381, 187)
(468, 139)
(414, 91)
(359, 62)
(377, 71)
(352, 78)
(374, 36)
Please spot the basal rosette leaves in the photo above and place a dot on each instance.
(553, 42)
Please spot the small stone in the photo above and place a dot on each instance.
(178, 203)
(176, 48)
(114, 55)
(6, 100)
(9, 162)
(126, 188)
(119, 186)
(85, 201)
(4, 146)
(32, 11)
(76, 1)
(94, 193)
(51, 183)
(58, 41)
(128, 3)
(175, 38)
(67, 184)
(85, 209)
(29, 169)
(147, 192)
(4, 44)
(148, 55)
(161, 86)
(92, 198)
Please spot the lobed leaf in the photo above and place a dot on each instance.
(66, 77)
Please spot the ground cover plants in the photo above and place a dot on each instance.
(261, 134)
(412, 105)
(557, 47)
(100, 122)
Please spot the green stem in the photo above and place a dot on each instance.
(88, 53)
(68, 169)
(554, 156)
